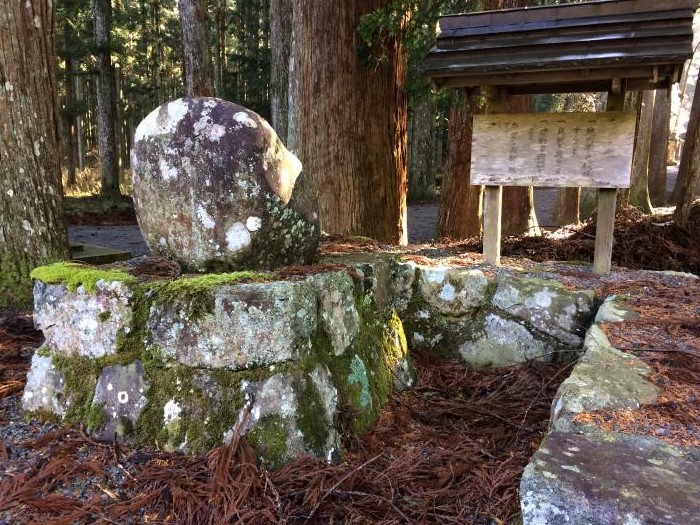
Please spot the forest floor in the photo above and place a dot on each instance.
(451, 450)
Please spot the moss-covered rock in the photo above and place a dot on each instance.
(216, 189)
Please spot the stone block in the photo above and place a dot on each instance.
(547, 306)
(82, 322)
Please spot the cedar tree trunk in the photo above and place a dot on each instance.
(352, 121)
(32, 226)
(281, 19)
(199, 75)
(689, 168)
(459, 216)
(106, 98)
(658, 149)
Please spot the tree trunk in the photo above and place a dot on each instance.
(567, 206)
(199, 76)
(658, 149)
(106, 106)
(689, 168)
(421, 151)
(68, 115)
(32, 226)
(459, 216)
(639, 185)
(281, 19)
(220, 47)
(79, 135)
(352, 128)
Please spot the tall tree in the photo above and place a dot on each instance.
(199, 74)
(352, 120)
(106, 98)
(689, 168)
(32, 227)
(639, 183)
(281, 20)
(658, 150)
(459, 215)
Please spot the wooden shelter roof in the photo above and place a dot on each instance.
(643, 44)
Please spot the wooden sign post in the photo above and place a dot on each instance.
(554, 149)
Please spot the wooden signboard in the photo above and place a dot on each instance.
(553, 149)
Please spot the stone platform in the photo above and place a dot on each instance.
(186, 362)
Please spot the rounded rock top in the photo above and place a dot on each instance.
(215, 189)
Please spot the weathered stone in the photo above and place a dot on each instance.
(82, 323)
(603, 378)
(291, 416)
(574, 479)
(339, 316)
(505, 343)
(387, 281)
(45, 388)
(548, 306)
(215, 188)
(251, 324)
(613, 310)
(453, 292)
(121, 394)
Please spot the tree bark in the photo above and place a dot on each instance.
(689, 168)
(421, 151)
(352, 125)
(658, 149)
(32, 226)
(567, 206)
(281, 20)
(199, 74)
(106, 92)
(459, 216)
(639, 184)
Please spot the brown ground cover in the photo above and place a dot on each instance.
(450, 451)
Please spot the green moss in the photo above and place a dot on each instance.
(96, 418)
(104, 316)
(311, 419)
(194, 293)
(269, 438)
(80, 375)
(74, 275)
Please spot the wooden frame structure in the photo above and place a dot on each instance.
(609, 45)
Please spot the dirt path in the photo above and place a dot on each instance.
(422, 219)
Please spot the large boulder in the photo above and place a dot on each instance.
(215, 189)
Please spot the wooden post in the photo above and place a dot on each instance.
(607, 202)
(493, 195)
(493, 200)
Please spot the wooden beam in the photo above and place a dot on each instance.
(607, 203)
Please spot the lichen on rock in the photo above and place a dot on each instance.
(216, 189)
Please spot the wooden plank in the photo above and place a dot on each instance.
(588, 9)
(553, 149)
(493, 201)
(605, 226)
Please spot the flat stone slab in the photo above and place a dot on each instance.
(573, 479)
(92, 254)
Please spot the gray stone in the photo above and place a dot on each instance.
(453, 292)
(251, 324)
(276, 411)
(504, 343)
(338, 314)
(82, 323)
(613, 310)
(573, 479)
(216, 189)
(603, 378)
(121, 393)
(548, 306)
(45, 388)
